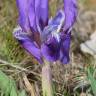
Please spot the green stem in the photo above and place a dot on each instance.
(47, 80)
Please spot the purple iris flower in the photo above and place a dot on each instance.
(43, 37)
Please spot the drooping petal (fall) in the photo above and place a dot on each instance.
(51, 49)
(70, 10)
(27, 43)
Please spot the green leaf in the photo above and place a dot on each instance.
(92, 80)
(22, 93)
(13, 91)
(4, 83)
(7, 85)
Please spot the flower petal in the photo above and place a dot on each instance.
(37, 13)
(26, 41)
(57, 19)
(70, 9)
(65, 47)
(54, 26)
(51, 49)
(23, 18)
(26, 14)
(42, 15)
(32, 15)
(44, 11)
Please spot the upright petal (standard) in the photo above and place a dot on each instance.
(70, 9)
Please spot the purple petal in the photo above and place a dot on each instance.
(51, 49)
(65, 47)
(32, 15)
(44, 14)
(26, 10)
(26, 41)
(37, 8)
(70, 8)
(37, 13)
(57, 19)
(41, 12)
(23, 18)
(55, 24)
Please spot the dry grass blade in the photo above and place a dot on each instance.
(29, 87)
(18, 67)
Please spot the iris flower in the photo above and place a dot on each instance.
(45, 37)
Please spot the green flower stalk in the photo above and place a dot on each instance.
(47, 80)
